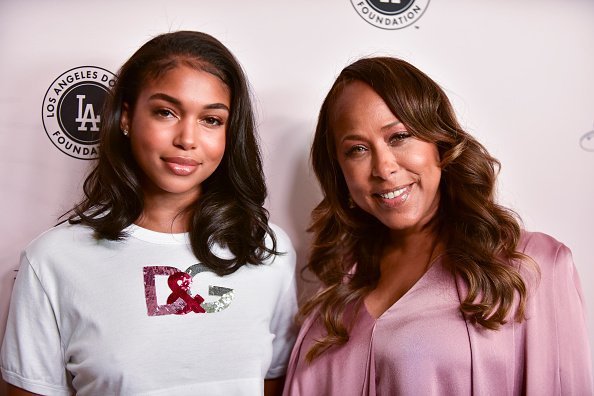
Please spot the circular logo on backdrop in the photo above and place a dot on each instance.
(72, 109)
(390, 14)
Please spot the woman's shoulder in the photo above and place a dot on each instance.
(282, 238)
(547, 252)
(55, 238)
(539, 242)
(286, 256)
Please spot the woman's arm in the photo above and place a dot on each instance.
(14, 391)
(272, 387)
(557, 354)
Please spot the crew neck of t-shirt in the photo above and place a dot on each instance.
(151, 236)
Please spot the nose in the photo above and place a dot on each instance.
(186, 135)
(384, 163)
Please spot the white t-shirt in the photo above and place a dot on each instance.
(142, 317)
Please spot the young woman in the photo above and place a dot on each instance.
(167, 278)
(430, 286)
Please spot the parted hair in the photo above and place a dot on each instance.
(480, 236)
(230, 208)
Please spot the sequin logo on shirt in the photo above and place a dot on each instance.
(180, 301)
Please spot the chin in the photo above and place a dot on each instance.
(400, 224)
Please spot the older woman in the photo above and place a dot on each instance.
(430, 286)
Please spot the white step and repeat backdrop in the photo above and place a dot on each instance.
(520, 74)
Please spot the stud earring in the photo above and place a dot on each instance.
(125, 132)
(352, 204)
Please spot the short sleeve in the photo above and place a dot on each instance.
(32, 355)
(283, 321)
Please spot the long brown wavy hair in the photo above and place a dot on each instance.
(230, 210)
(480, 236)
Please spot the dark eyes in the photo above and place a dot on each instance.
(210, 121)
(356, 150)
(213, 121)
(394, 140)
(398, 137)
(165, 113)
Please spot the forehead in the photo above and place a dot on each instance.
(188, 80)
(357, 104)
(156, 69)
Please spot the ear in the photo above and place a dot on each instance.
(125, 117)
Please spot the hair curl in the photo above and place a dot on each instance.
(480, 236)
(230, 210)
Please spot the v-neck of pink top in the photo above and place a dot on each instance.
(421, 336)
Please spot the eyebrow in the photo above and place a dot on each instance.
(177, 102)
(351, 137)
(392, 124)
(354, 136)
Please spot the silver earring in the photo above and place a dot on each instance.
(125, 132)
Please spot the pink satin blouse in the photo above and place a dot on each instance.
(422, 345)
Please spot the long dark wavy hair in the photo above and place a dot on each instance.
(480, 236)
(230, 209)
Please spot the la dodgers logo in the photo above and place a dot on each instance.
(88, 116)
(390, 14)
(72, 110)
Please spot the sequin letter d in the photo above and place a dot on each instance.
(150, 292)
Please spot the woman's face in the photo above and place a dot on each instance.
(389, 173)
(177, 132)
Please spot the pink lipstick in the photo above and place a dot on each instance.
(181, 166)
